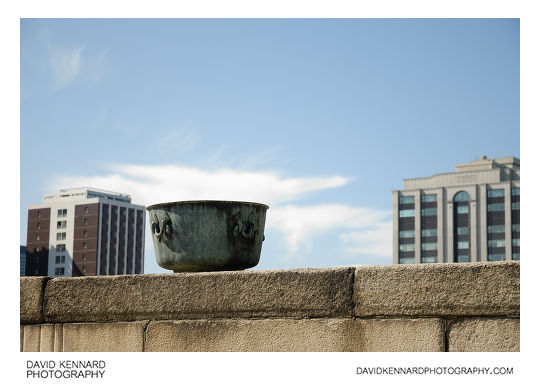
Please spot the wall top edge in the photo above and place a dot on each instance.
(464, 289)
(309, 270)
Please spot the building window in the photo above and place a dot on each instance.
(515, 256)
(429, 211)
(60, 259)
(429, 259)
(462, 231)
(515, 228)
(61, 224)
(83, 269)
(38, 214)
(496, 243)
(496, 257)
(461, 227)
(429, 232)
(495, 193)
(515, 205)
(429, 198)
(406, 234)
(406, 213)
(463, 244)
(84, 257)
(496, 229)
(61, 247)
(60, 236)
(62, 213)
(38, 237)
(407, 247)
(86, 209)
(406, 199)
(429, 246)
(38, 226)
(85, 221)
(84, 245)
(515, 242)
(462, 209)
(37, 249)
(59, 271)
(85, 233)
(461, 196)
(496, 207)
(515, 191)
(406, 261)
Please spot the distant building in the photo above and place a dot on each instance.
(23, 260)
(469, 215)
(85, 231)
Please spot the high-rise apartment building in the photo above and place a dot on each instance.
(466, 216)
(85, 231)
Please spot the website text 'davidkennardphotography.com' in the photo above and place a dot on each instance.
(434, 370)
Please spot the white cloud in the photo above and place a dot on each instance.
(373, 241)
(300, 225)
(162, 183)
(65, 65)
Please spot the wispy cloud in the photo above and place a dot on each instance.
(300, 225)
(374, 240)
(178, 140)
(65, 65)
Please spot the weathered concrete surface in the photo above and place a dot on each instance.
(22, 337)
(277, 293)
(58, 337)
(31, 299)
(47, 337)
(444, 289)
(103, 337)
(295, 335)
(432, 307)
(484, 335)
(51, 337)
(31, 338)
(402, 335)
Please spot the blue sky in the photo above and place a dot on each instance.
(318, 118)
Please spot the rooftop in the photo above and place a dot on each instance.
(87, 192)
(482, 170)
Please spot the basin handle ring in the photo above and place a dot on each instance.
(237, 226)
(249, 231)
(165, 229)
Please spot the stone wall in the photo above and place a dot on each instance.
(431, 307)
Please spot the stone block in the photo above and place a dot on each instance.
(58, 338)
(31, 299)
(401, 335)
(232, 294)
(31, 338)
(442, 289)
(103, 337)
(295, 335)
(484, 335)
(47, 338)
